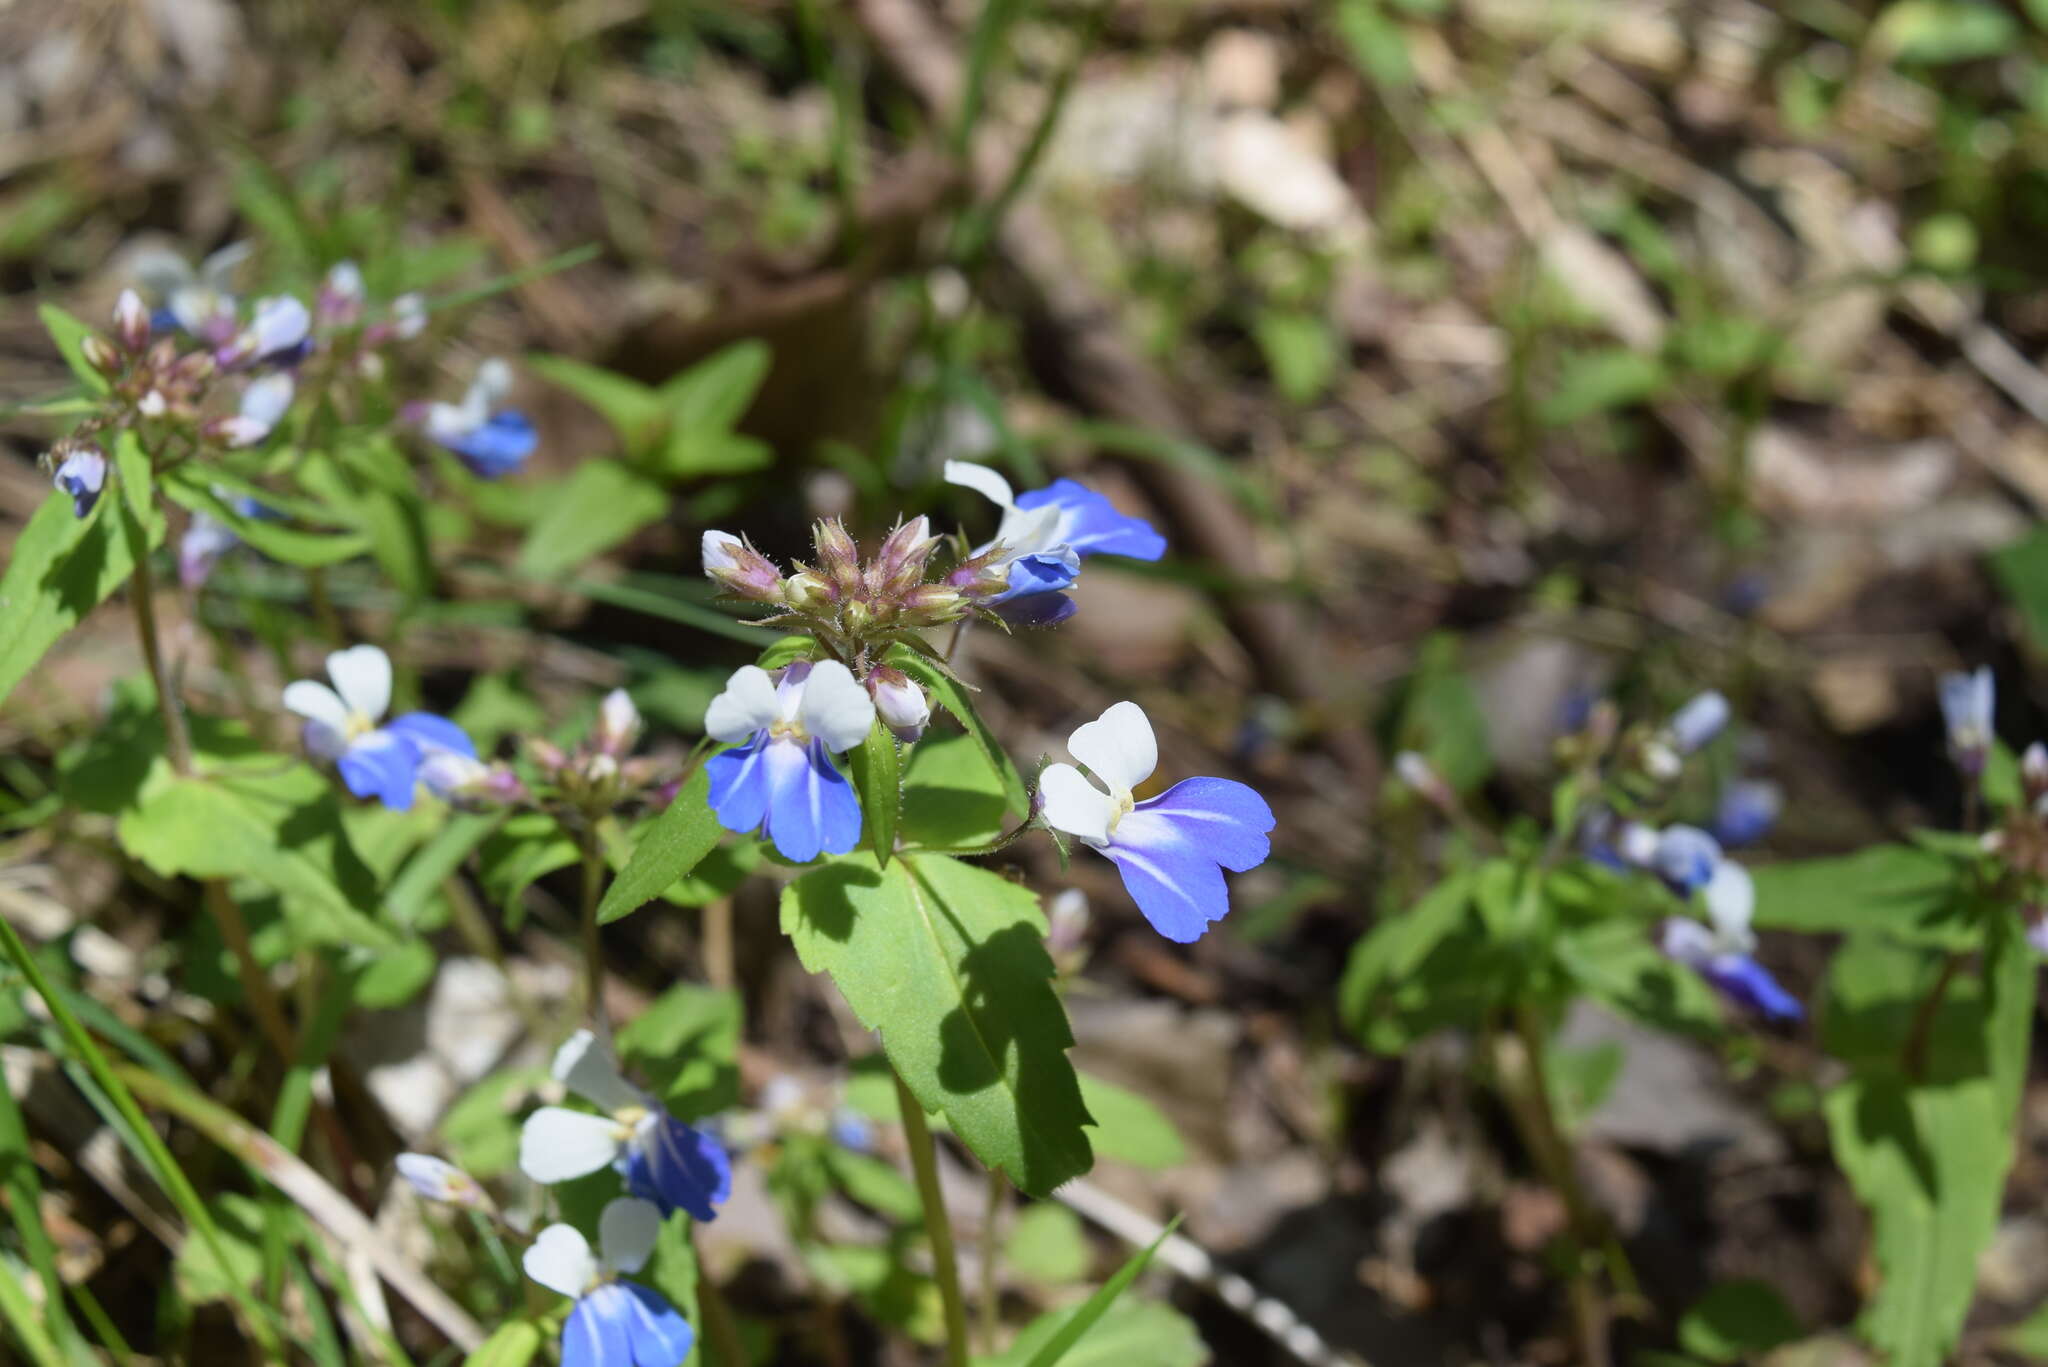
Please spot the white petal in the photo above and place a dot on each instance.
(194, 306)
(717, 550)
(447, 421)
(835, 709)
(362, 676)
(1731, 900)
(267, 399)
(316, 702)
(1118, 747)
(1035, 531)
(160, 271)
(1687, 941)
(559, 1259)
(557, 1144)
(626, 1233)
(492, 383)
(746, 706)
(585, 1067)
(982, 480)
(1074, 805)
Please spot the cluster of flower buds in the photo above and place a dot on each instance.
(844, 600)
(597, 775)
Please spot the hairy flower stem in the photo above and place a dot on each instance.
(1525, 1085)
(924, 1163)
(1921, 1033)
(593, 942)
(142, 598)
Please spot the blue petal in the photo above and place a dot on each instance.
(811, 806)
(678, 1167)
(1750, 985)
(163, 320)
(1093, 526)
(1748, 810)
(1036, 610)
(1041, 572)
(383, 766)
(497, 448)
(661, 1336)
(82, 475)
(431, 733)
(1172, 849)
(739, 785)
(599, 1330)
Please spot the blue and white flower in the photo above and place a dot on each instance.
(662, 1160)
(780, 779)
(83, 475)
(1685, 857)
(1171, 849)
(1044, 536)
(264, 404)
(492, 441)
(614, 1323)
(199, 302)
(1721, 950)
(343, 724)
(280, 333)
(1968, 702)
(207, 539)
(437, 1179)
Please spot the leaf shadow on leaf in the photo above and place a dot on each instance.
(74, 580)
(314, 829)
(943, 817)
(976, 1037)
(823, 898)
(1884, 1116)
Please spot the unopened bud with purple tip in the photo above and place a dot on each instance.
(1698, 722)
(739, 569)
(102, 355)
(900, 703)
(439, 1180)
(899, 566)
(2034, 773)
(1421, 776)
(131, 321)
(1968, 702)
(838, 556)
(618, 724)
(340, 300)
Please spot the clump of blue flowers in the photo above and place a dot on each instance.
(345, 724)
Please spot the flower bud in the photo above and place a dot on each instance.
(899, 566)
(618, 723)
(102, 355)
(340, 301)
(83, 474)
(1067, 922)
(2034, 771)
(451, 776)
(546, 755)
(153, 404)
(131, 321)
(900, 703)
(237, 431)
(739, 569)
(1419, 774)
(437, 1179)
(805, 591)
(838, 556)
(1968, 706)
(1698, 722)
(1637, 844)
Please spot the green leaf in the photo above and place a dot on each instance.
(878, 778)
(1135, 1334)
(1942, 31)
(1930, 1164)
(1046, 1245)
(201, 1276)
(529, 846)
(948, 963)
(1601, 381)
(685, 1047)
(785, 650)
(2021, 570)
(69, 336)
(481, 1129)
(952, 695)
(671, 847)
(1737, 1322)
(635, 411)
(60, 569)
(1082, 1321)
(1418, 969)
(1616, 963)
(2029, 1337)
(1300, 350)
(703, 403)
(1910, 894)
(952, 799)
(1129, 1128)
(597, 507)
(281, 829)
(306, 549)
(1441, 718)
(879, 1186)
(418, 884)
(1378, 46)
(395, 977)
(511, 1345)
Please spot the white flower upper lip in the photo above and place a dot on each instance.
(1120, 750)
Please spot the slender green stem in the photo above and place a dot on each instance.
(154, 1152)
(924, 1163)
(991, 1248)
(142, 598)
